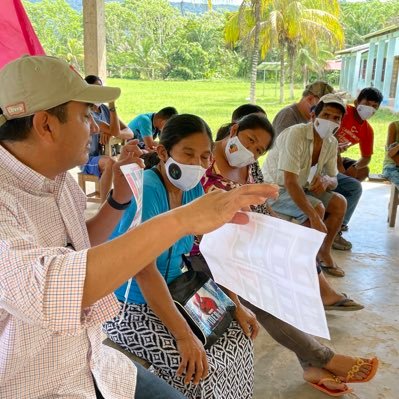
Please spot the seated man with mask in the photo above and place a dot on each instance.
(355, 130)
(303, 162)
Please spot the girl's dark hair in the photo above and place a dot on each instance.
(177, 128)
(246, 109)
(251, 121)
(257, 121)
(238, 113)
(223, 131)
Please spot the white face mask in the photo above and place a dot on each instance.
(237, 155)
(325, 128)
(184, 177)
(365, 111)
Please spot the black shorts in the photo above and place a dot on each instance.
(348, 162)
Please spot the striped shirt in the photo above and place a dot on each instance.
(49, 347)
(292, 152)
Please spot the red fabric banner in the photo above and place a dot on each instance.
(17, 36)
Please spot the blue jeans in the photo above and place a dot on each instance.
(391, 172)
(351, 189)
(149, 386)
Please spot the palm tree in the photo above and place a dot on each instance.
(309, 62)
(245, 24)
(287, 25)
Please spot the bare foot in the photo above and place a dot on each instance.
(341, 364)
(315, 375)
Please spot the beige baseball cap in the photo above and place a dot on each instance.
(37, 83)
(319, 88)
(333, 99)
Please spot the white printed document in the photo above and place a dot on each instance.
(134, 176)
(272, 264)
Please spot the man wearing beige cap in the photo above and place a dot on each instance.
(57, 272)
(303, 162)
(300, 112)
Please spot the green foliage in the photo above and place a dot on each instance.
(181, 73)
(60, 32)
(145, 39)
(362, 18)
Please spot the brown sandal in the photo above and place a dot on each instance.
(334, 270)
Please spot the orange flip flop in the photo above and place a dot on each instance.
(356, 367)
(331, 392)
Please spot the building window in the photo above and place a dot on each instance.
(384, 63)
(364, 68)
(373, 70)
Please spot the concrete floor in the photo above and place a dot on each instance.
(372, 278)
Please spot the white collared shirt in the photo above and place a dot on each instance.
(48, 346)
(292, 152)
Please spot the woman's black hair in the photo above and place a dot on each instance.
(238, 113)
(257, 121)
(246, 109)
(223, 131)
(177, 128)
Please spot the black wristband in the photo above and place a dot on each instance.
(117, 205)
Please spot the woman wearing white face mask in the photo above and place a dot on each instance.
(255, 134)
(150, 324)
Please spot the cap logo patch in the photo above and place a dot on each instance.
(16, 109)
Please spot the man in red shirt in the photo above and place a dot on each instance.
(355, 130)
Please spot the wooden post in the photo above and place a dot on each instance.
(94, 38)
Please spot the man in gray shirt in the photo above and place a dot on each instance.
(300, 112)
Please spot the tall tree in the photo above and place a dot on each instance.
(287, 25)
(245, 25)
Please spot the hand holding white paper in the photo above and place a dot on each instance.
(271, 263)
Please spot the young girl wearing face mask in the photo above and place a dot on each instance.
(233, 165)
(150, 325)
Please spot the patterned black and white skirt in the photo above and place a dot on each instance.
(230, 359)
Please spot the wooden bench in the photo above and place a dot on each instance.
(130, 355)
(393, 205)
(94, 196)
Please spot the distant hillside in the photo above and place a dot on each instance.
(186, 6)
(183, 6)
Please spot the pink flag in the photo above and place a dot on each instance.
(17, 36)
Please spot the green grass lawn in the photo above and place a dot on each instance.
(215, 100)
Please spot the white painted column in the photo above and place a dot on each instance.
(380, 60)
(94, 38)
(388, 70)
(370, 62)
